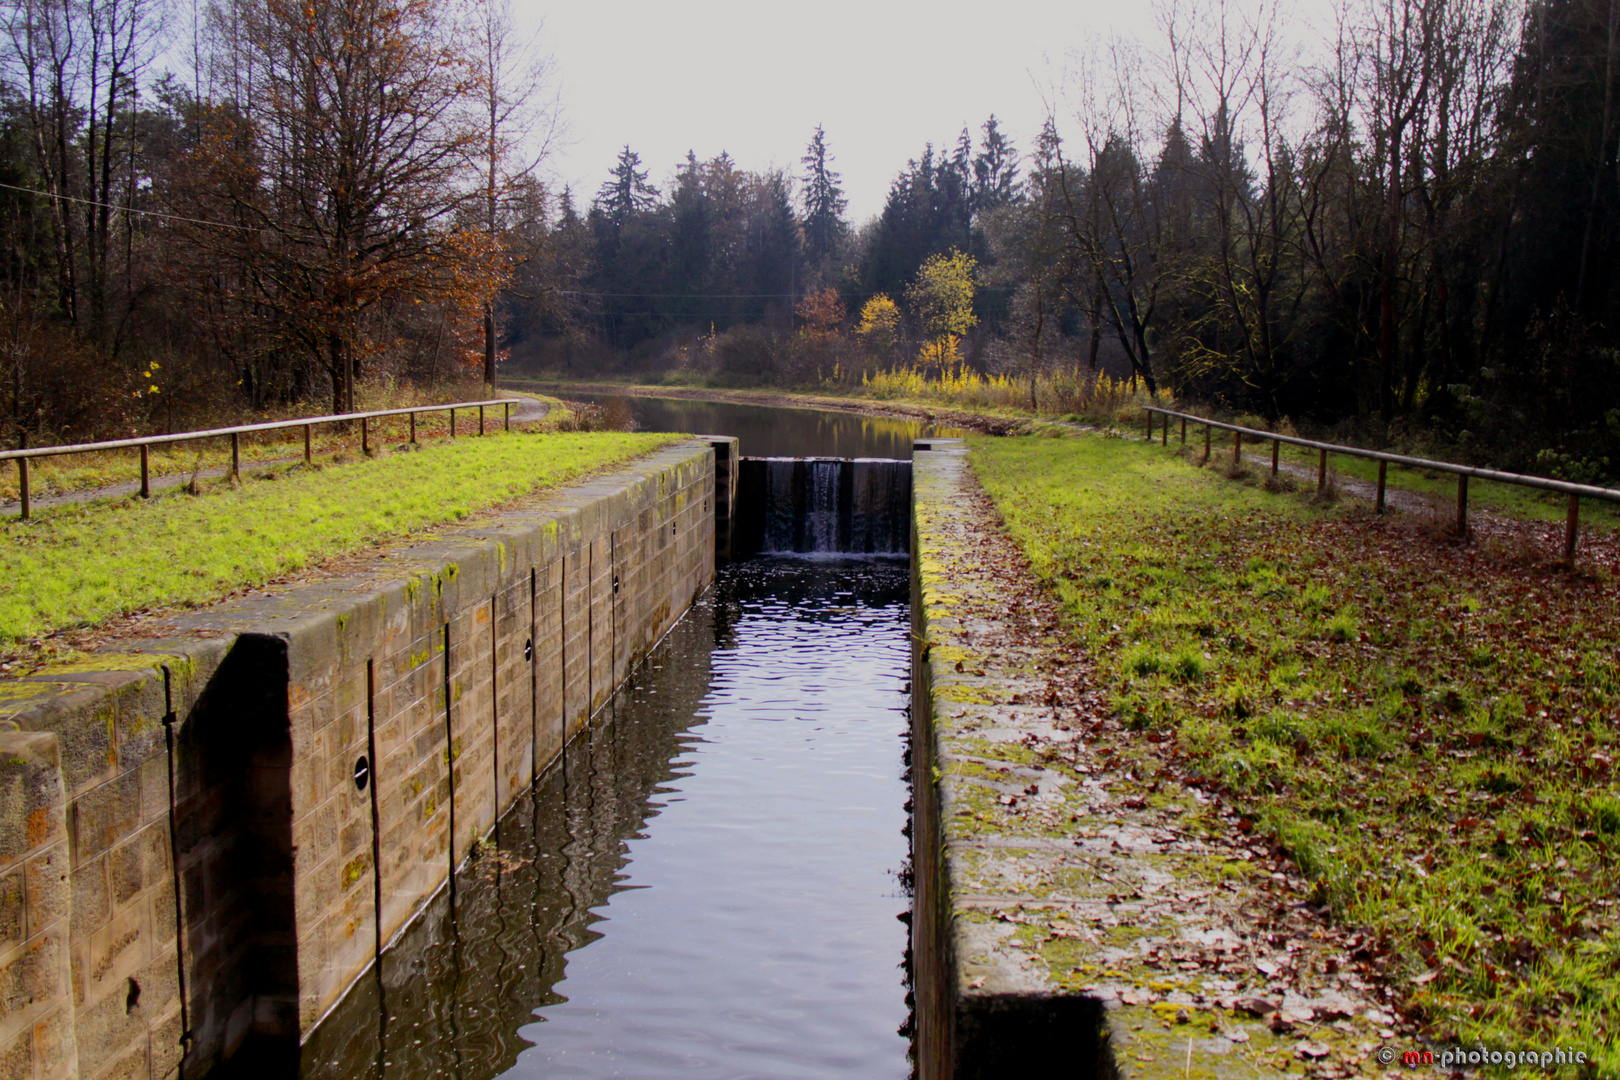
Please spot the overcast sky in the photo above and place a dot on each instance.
(755, 78)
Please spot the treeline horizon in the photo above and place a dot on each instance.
(1407, 230)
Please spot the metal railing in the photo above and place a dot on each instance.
(1576, 492)
(26, 454)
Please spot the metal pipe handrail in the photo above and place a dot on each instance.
(1522, 479)
(25, 454)
(1576, 492)
(240, 429)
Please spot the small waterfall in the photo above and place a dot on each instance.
(845, 505)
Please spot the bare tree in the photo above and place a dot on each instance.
(346, 169)
(517, 120)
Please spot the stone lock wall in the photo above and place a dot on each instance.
(207, 841)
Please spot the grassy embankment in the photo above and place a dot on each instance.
(86, 472)
(1428, 729)
(76, 565)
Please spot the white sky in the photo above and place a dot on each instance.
(755, 78)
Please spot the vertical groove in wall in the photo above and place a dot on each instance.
(613, 611)
(534, 682)
(376, 836)
(450, 764)
(562, 663)
(174, 873)
(590, 631)
(495, 705)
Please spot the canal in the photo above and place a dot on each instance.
(770, 432)
(713, 881)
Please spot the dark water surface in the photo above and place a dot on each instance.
(709, 885)
(767, 431)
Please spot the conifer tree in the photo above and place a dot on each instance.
(995, 170)
(824, 203)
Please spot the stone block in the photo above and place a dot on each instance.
(82, 718)
(32, 973)
(105, 814)
(166, 1048)
(49, 893)
(117, 951)
(163, 911)
(131, 1063)
(154, 781)
(17, 1057)
(54, 1044)
(13, 909)
(30, 794)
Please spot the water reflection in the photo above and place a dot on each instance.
(767, 431)
(728, 843)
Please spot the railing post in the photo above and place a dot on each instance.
(1383, 476)
(507, 406)
(308, 430)
(1166, 429)
(1572, 528)
(1206, 442)
(1149, 413)
(452, 423)
(365, 438)
(1183, 431)
(1237, 448)
(1321, 473)
(146, 485)
(236, 455)
(480, 419)
(413, 429)
(22, 474)
(1276, 448)
(1462, 504)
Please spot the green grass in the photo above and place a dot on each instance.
(78, 565)
(1428, 729)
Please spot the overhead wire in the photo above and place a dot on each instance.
(125, 209)
(148, 213)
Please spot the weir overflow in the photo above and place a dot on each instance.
(856, 506)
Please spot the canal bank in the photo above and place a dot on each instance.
(1076, 916)
(212, 834)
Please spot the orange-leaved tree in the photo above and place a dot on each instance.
(821, 314)
(339, 172)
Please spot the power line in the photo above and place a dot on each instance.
(683, 296)
(731, 296)
(126, 209)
